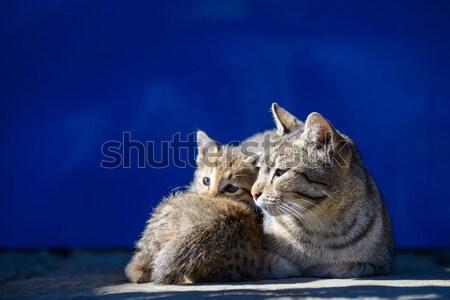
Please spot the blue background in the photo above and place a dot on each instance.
(75, 74)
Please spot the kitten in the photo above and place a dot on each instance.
(322, 210)
(194, 238)
(223, 170)
(229, 170)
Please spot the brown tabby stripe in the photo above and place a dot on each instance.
(359, 236)
(317, 199)
(311, 181)
(344, 231)
(343, 210)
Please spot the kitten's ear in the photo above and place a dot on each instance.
(252, 160)
(284, 120)
(325, 136)
(205, 144)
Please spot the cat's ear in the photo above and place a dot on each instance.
(320, 131)
(285, 121)
(205, 144)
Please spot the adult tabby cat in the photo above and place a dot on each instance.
(322, 210)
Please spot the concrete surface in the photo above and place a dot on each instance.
(98, 275)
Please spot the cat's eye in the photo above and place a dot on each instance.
(257, 169)
(206, 181)
(231, 188)
(280, 172)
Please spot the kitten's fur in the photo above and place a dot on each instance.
(198, 238)
(322, 210)
(227, 171)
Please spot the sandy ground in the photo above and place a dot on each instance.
(98, 275)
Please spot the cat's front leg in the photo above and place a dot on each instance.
(276, 266)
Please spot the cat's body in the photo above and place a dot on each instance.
(327, 220)
(319, 220)
(198, 238)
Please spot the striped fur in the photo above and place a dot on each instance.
(322, 210)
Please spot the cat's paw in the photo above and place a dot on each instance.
(286, 269)
(276, 266)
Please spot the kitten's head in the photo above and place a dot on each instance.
(301, 171)
(223, 170)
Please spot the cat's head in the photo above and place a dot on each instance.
(301, 171)
(222, 170)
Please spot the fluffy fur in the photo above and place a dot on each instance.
(197, 238)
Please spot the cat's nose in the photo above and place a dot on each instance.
(256, 195)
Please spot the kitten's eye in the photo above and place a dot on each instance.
(206, 181)
(257, 169)
(279, 172)
(231, 188)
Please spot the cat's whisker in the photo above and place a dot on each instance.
(291, 211)
(322, 227)
(312, 203)
(276, 207)
(304, 216)
(327, 194)
(270, 207)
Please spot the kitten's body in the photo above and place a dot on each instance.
(329, 221)
(196, 238)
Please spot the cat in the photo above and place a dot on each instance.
(194, 238)
(322, 210)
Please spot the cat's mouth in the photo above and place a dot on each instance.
(268, 205)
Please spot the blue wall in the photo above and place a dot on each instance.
(75, 74)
